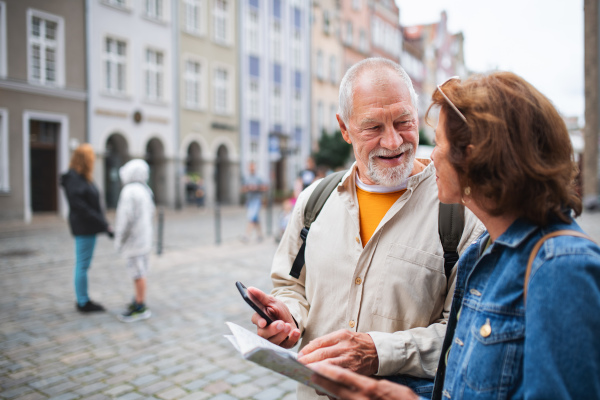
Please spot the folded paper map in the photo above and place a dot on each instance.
(268, 355)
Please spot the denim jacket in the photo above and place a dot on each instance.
(548, 349)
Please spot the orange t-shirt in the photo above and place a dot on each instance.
(372, 207)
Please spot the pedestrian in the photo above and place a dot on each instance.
(525, 310)
(308, 174)
(254, 188)
(133, 232)
(86, 219)
(373, 295)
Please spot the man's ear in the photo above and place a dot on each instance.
(343, 129)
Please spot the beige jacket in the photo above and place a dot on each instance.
(394, 288)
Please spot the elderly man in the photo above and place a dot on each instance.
(373, 296)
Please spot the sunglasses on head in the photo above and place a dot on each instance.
(439, 87)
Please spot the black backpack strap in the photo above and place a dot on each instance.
(451, 222)
(313, 207)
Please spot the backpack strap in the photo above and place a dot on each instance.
(536, 248)
(451, 222)
(315, 203)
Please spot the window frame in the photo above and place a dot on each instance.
(114, 58)
(156, 71)
(157, 13)
(59, 47)
(225, 17)
(199, 79)
(227, 86)
(200, 20)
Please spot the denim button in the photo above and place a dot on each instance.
(486, 329)
(458, 342)
(475, 292)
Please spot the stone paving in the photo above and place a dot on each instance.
(49, 351)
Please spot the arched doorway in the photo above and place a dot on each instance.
(223, 175)
(195, 180)
(155, 157)
(116, 154)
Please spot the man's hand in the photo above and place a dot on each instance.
(353, 350)
(283, 331)
(344, 384)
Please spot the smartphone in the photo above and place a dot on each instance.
(255, 304)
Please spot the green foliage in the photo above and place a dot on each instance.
(333, 152)
(423, 139)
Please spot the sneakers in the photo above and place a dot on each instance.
(89, 307)
(135, 312)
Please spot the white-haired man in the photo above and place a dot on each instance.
(373, 296)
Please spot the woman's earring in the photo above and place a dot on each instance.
(467, 192)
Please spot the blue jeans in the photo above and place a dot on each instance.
(84, 249)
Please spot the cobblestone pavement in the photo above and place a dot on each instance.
(49, 351)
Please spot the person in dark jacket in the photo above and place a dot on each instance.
(86, 219)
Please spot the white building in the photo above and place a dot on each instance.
(132, 109)
(275, 84)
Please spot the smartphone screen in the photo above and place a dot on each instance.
(255, 304)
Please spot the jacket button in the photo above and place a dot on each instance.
(357, 239)
(351, 323)
(486, 329)
(358, 281)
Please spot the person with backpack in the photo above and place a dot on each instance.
(371, 293)
(524, 320)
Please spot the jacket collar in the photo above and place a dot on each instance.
(517, 233)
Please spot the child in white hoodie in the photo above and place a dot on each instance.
(133, 232)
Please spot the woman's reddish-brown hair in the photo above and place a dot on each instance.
(82, 161)
(514, 152)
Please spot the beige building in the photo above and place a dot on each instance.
(355, 31)
(327, 58)
(208, 100)
(42, 102)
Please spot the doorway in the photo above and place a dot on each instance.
(43, 145)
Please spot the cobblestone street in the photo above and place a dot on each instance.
(49, 351)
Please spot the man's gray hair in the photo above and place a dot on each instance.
(369, 64)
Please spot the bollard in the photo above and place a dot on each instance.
(217, 224)
(161, 223)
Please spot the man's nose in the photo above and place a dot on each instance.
(390, 139)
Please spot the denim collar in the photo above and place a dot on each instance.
(517, 233)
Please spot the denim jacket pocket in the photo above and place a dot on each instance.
(495, 351)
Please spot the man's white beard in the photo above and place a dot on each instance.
(391, 176)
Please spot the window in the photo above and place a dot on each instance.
(254, 63)
(115, 66)
(326, 22)
(276, 42)
(154, 75)
(332, 69)
(276, 108)
(223, 98)
(297, 18)
(297, 109)
(363, 44)
(277, 74)
(117, 3)
(45, 48)
(356, 4)
(253, 99)
(348, 36)
(193, 11)
(154, 9)
(277, 9)
(253, 32)
(221, 21)
(4, 164)
(320, 69)
(193, 84)
(2, 40)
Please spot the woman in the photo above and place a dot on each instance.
(504, 151)
(85, 219)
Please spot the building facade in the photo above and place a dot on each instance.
(355, 19)
(208, 105)
(42, 102)
(327, 63)
(275, 84)
(132, 113)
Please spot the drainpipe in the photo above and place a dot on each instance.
(176, 113)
